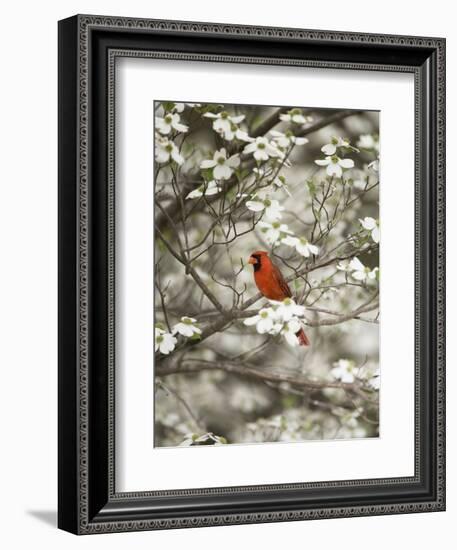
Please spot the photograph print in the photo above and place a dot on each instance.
(267, 275)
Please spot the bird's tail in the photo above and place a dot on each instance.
(302, 338)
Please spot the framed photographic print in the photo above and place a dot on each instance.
(251, 274)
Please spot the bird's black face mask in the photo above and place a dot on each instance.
(255, 261)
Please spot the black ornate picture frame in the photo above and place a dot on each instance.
(88, 47)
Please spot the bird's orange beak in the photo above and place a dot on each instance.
(252, 260)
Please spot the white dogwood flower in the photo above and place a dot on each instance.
(164, 341)
(264, 320)
(211, 189)
(286, 140)
(166, 150)
(335, 142)
(344, 370)
(289, 331)
(361, 272)
(301, 245)
(271, 207)
(225, 124)
(296, 116)
(223, 166)
(335, 165)
(287, 309)
(262, 149)
(279, 319)
(371, 225)
(368, 141)
(171, 121)
(274, 231)
(187, 327)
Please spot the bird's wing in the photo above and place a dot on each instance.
(282, 283)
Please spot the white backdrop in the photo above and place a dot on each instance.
(28, 233)
(139, 467)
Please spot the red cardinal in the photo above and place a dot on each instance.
(272, 285)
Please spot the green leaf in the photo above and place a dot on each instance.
(167, 105)
(311, 187)
(290, 401)
(297, 284)
(207, 174)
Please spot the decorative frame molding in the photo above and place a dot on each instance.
(88, 502)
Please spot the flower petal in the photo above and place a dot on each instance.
(291, 339)
(303, 249)
(195, 194)
(260, 154)
(359, 275)
(180, 127)
(334, 170)
(346, 163)
(356, 265)
(210, 163)
(162, 156)
(264, 325)
(368, 223)
(329, 149)
(255, 206)
(375, 234)
(290, 241)
(251, 320)
(243, 136)
(300, 140)
(313, 249)
(298, 119)
(222, 125)
(294, 325)
(177, 157)
(250, 148)
(233, 161)
(222, 172)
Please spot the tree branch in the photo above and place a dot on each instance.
(197, 365)
(173, 206)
